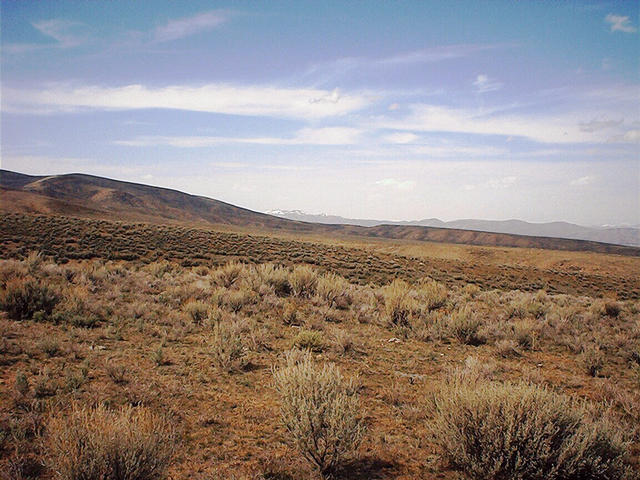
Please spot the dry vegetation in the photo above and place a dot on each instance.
(267, 367)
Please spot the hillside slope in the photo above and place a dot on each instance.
(102, 198)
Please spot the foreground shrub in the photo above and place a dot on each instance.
(309, 340)
(520, 431)
(22, 299)
(303, 280)
(227, 275)
(95, 443)
(464, 325)
(331, 287)
(197, 311)
(320, 410)
(227, 348)
(398, 303)
(276, 277)
(433, 294)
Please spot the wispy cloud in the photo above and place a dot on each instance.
(620, 23)
(582, 181)
(485, 84)
(305, 136)
(561, 127)
(215, 98)
(64, 34)
(184, 27)
(403, 185)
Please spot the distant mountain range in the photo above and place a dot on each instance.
(88, 196)
(627, 235)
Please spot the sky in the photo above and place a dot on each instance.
(365, 109)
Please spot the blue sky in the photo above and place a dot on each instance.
(388, 110)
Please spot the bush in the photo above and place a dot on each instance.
(23, 298)
(398, 303)
(433, 294)
(520, 431)
(592, 359)
(197, 311)
(464, 325)
(612, 309)
(95, 443)
(309, 340)
(320, 410)
(303, 280)
(331, 287)
(276, 277)
(227, 275)
(226, 346)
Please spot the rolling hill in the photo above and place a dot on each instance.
(617, 235)
(90, 196)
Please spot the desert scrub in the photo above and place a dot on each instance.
(320, 410)
(592, 359)
(197, 311)
(226, 346)
(331, 287)
(96, 443)
(303, 280)
(432, 295)
(228, 275)
(235, 300)
(398, 303)
(275, 277)
(310, 340)
(464, 325)
(520, 431)
(23, 298)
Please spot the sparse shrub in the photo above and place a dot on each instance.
(228, 275)
(310, 340)
(519, 431)
(536, 309)
(226, 347)
(592, 359)
(22, 299)
(158, 356)
(95, 443)
(612, 309)
(433, 294)
(343, 342)
(21, 384)
(290, 316)
(525, 333)
(303, 280)
(321, 412)
(398, 303)
(50, 346)
(235, 300)
(276, 277)
(117, 372)
(464, 324)
(197, 311)
(507, 348)
(331, 287)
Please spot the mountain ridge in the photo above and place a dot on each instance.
(617, 235)
(96, 197)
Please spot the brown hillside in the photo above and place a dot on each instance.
(96, 197)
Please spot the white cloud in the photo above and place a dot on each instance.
(484, 84)
(185, 27)
(599, 124)
(401, 137)
(620, 23)
(64, 32)
(404, 185)
(305, 136)
(214, 98)
(586, 180)
(549, 128)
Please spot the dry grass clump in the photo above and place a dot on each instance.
(236, 300)
(432, 295)
(22, 299)
(275, 277)
(592, 359)
(226, 345)
(303, 280)
(197, 311)
(464, 325)
(310, 340)
(519, 431)
(96, 443)
(227, 275)
(320, 410)
(398, 303)
(331, 287)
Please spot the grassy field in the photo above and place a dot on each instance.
(195, 338)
